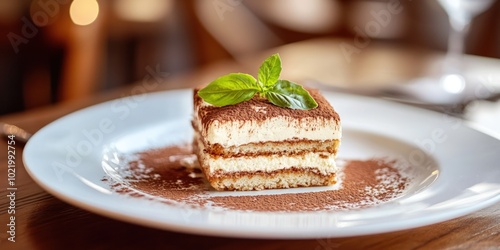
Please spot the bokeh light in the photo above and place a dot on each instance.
(84, 12)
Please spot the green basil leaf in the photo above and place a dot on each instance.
(238, 87)
(229, 89)
(287, 94)
(269, 71)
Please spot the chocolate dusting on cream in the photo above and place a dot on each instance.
(168, 175)
(246, 111)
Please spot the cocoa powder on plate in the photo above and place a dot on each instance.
(170, 175)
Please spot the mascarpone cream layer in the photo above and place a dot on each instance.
(279, 128)
(324, 165)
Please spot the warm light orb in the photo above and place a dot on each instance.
(84, 12)
(453, 83)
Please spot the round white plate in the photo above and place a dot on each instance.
(455, 171)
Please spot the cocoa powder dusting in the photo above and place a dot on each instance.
(171, 175)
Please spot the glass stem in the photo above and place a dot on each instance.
(456, 45)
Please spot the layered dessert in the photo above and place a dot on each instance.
(255, 145)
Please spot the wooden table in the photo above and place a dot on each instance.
(44, 222)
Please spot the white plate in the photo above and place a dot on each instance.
(456, 171)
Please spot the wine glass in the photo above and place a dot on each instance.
(451, 86)
(460, 14)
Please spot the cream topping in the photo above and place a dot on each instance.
(279, 128)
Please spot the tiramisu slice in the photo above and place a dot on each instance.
(256, 145)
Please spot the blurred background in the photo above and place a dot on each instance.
(61, 50)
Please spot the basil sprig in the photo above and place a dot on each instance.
(239, 87)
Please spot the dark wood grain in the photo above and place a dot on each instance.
(44, 222)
